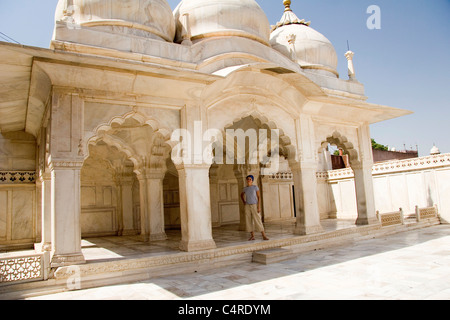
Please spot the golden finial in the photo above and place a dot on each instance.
(289, 17)
(287, 5)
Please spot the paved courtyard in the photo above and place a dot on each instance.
(409, 265)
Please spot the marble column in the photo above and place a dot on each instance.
(365, 199)
(66, 212)
(214, 194)
(307, 208)
(362, 169)
(66, 156)
(46, 213)
(152, 206)
(195, 207)
(156, 206)
(304, 175)
(126, 197)
(143, 206)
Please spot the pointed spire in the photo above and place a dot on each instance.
(289, 17)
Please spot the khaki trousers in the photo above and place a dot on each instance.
(253, 220)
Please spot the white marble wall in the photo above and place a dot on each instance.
(422, 181)
(228, 202)
(99, 209)
(18, 201)
(18, 215)
(17, 151)
(278, 200)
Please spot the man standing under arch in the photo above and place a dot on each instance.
(252, 202)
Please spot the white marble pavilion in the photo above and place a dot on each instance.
(90, 129)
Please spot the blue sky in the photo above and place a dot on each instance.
(405, 64)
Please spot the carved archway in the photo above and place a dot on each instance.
(284, 149)
(159, 139)
(362, 178)
(343, 143)
(144, 148)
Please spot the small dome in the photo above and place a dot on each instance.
(144, 18)
(435, 150)
(215, 18)
(309, 48)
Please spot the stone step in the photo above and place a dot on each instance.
(335, 238)
(273, 255)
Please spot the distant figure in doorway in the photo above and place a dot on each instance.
(252, 209)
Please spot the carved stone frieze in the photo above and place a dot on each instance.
(17, 177)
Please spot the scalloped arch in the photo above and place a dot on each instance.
(161, 144)
(342, 142)
(286, 146)
(116, 143)
(142, 119)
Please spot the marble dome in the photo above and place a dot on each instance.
(144, 18)
(218, 18)
(435, 150)
(309, 48)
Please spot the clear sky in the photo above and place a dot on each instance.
(405, 64)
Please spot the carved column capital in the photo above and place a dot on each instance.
(65, 164)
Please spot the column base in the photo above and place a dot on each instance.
(153, 237)
(303, 231)
(42, 247)
(129, 232)
(367, 221)
(197, 245)
(64, 260)
(157, 236)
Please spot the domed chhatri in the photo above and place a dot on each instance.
(435, 151)
(297, 40)
(214, 18)
(145, 18)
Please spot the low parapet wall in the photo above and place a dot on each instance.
(422, 182)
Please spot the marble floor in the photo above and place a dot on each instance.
(408, 265)
(111, 248)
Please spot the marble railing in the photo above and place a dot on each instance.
(428, 162)
(426, 213)
(391, 218)
(281, 176)
(385, 167)
(397, 217)
(27, 268)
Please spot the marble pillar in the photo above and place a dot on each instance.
(362, 169)
(156, 207)
(304, 175)
(66, 156)
(195, 208)
(46, 212)
(152, 206)
(126, 197)
(307, 208)
(65, 212)
(214, 194)
(365, 199)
